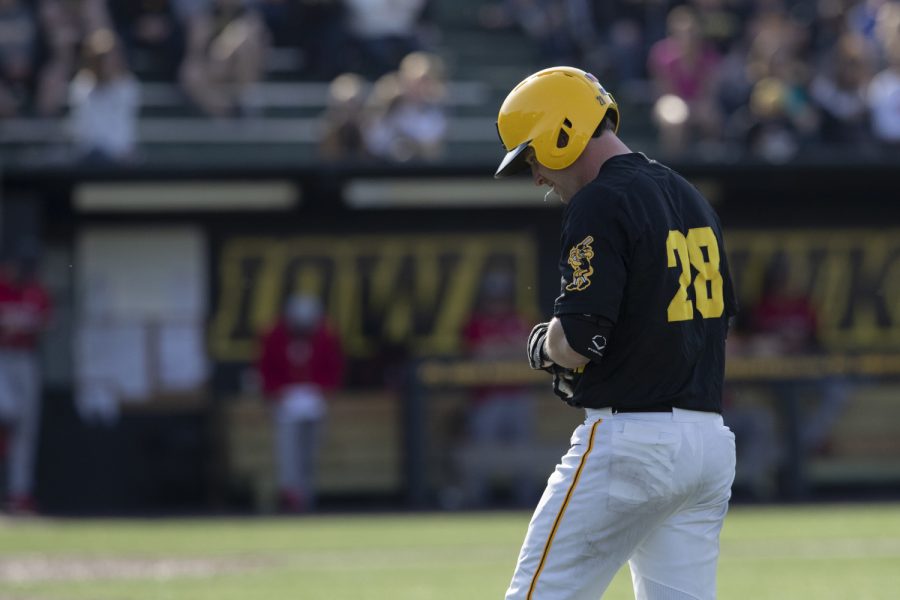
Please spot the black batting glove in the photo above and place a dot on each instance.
(564, 383)
(537, 356)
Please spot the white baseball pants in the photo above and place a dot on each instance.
(648, 488)
(20, 406)
(298, 424)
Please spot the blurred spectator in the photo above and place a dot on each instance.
(64, 24)
(500, 421)
(314, 27)
(342, 122)
(105, 99)
(18, 39)
(771, 134)
(631, 28)
(862, 17)
(719, 21)
(784, 323)
(583, 31)
(152, 35)
(777, 44)
(830, 21)
(383, 32)
(555, 26)
(839, 89)
(779, 117)
(622, 57)
(782, 118)
(884, 90)
(381, 138)
(225, 57)
(283, 19)
(407, 116)
(887, 25)
(24, 315)
(300, 362)
(684, 68)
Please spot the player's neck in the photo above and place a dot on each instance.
(598, 151)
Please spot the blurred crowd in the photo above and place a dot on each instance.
(398, 118)
(215, 49)
(85, 58)
(775, 77)
(816, 73)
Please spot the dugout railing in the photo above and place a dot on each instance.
(870, 442)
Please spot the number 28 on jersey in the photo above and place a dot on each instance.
(698, 249)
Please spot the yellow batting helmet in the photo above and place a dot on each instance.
(555, 111)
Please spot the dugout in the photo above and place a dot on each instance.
(396, 253)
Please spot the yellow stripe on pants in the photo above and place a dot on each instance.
(562, 509)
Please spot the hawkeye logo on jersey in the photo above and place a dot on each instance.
(580, 260)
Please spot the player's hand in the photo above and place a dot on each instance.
(564, 383)
(537, 355)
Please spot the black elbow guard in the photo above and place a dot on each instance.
(587, 334)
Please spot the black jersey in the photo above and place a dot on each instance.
(644, 249)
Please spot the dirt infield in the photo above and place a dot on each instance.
(31, 569)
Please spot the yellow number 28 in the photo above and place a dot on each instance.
(688, 250)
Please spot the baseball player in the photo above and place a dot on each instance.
(24, 315)
(300, 363)
(638, 341)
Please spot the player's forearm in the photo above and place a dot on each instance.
(559, 350)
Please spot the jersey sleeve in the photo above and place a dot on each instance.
(594, 259)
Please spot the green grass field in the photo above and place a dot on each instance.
(823, 552)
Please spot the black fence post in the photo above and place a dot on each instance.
(415, 447)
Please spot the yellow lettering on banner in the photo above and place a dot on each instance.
(891, 290)
(415, 291)
(269, 287)
(308, 281)
(890, 294)
(831, 288)
(462, 291)
(345, 291)
(850, 275)
(390, 301)
(427, 274)
(748, 267)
